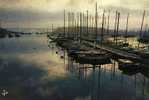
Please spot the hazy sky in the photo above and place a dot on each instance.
(41, 13)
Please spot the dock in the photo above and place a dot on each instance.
(117, 52)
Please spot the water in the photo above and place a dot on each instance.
(30, 69)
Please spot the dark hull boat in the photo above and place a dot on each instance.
(145, 70)
(144, 40)
(94, 59)
(128, 67)
(129, 72)
(72, 53)
(144, 54)
(10, 35)
(127, 64)
(17, 35)
(2, 35)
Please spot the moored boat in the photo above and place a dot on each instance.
(128, 64)
(94, 59)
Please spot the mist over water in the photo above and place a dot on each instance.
(29, 30)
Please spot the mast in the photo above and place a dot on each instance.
(93, 24)
(140, 35)
(73, 23)
(115, 24)
(83, 23)
(0, 24)
(87, 22)
(108, 23)
(96, 21)
(64, 24)
(117, 30)
(75, 32)
(80, 26)
(126, 32)
(102, 29)
(68, 24)
(52, 28)
(142, 24)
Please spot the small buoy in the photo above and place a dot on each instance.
(62, 57)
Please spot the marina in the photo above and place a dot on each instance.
(74, 50)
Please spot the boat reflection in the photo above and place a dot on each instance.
(109, 80)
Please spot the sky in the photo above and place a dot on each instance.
(43, 13)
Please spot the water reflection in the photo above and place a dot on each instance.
(48, 73)
(107, 82)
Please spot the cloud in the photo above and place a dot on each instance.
(50, 5)
(28, 18)
(144, 4)
(23, 15)
(45, 11)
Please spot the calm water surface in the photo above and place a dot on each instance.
(33, 69)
